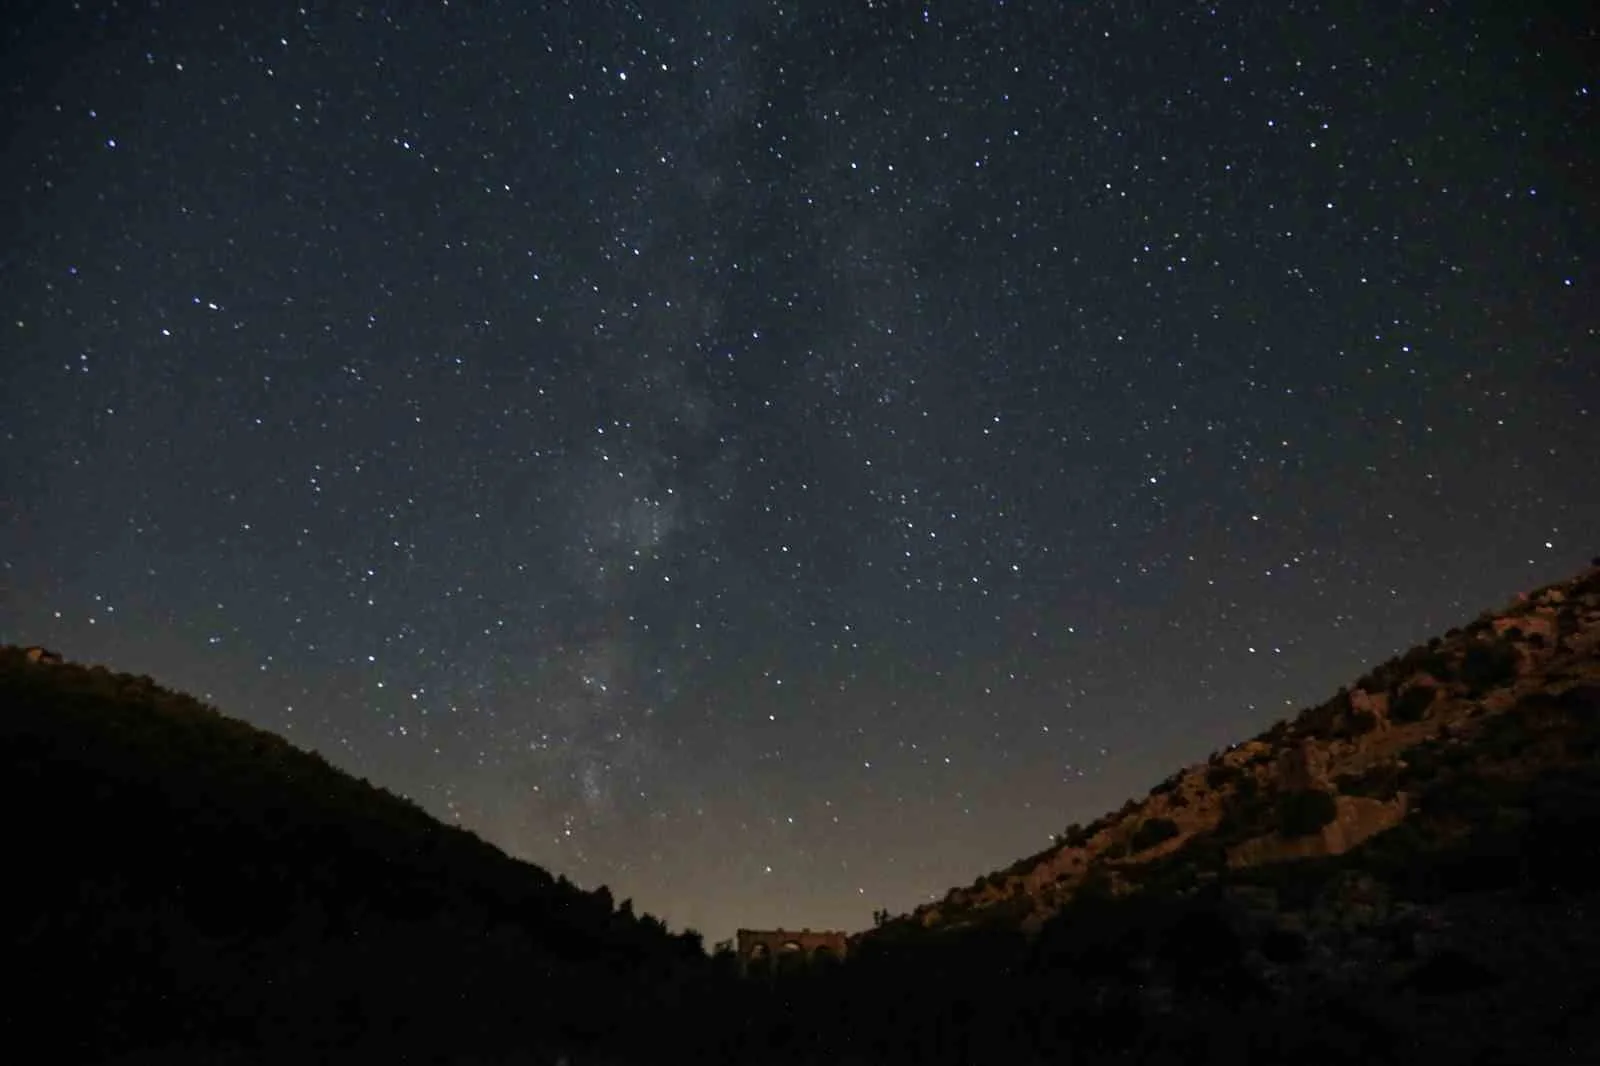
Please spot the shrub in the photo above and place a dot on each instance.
(1245, 815)
(1357, 723)
(1095, 886)
(1322, 720)
(1168, 785)
(1220, 774)
(1424, 660)
(1430, 759)
(1377, 679)
(1202, 852)
(1488, 665)
(1153, 832)
(1411, 704)
(1303, 813)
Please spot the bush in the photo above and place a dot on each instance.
(1304, 813)
(1412, 704)
(1422, 660)
(1488, 665)
(1432, 758)
(1358, 723)
(1096, 886)
(1153, 832)
(1244, 816)
(1221, 774)
(1323, 720)
(1377, 679)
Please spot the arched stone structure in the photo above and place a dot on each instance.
(788, 947)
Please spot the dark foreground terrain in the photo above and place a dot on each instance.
(1401, 874)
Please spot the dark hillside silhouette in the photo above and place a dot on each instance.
(1387, 878)
(180, 877)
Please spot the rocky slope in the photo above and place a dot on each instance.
(1493, 697)
(1401, 873)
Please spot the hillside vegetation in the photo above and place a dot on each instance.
(1401, 873)
(1420, 743)
(1405, 869)
(182, 876)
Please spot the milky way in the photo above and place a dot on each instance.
(782, 461)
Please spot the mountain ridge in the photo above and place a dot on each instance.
(1333, 763)
(220, 877)
(1398, 871)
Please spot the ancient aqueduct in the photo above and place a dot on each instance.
(759, 948)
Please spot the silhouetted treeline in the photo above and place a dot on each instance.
(179, 877)
(190, 888)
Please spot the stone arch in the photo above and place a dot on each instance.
(763, 950)
(791, 956)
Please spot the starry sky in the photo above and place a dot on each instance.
(784, 459)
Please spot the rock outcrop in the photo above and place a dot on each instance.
(1354, 748)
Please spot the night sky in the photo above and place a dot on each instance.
(783, 460)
